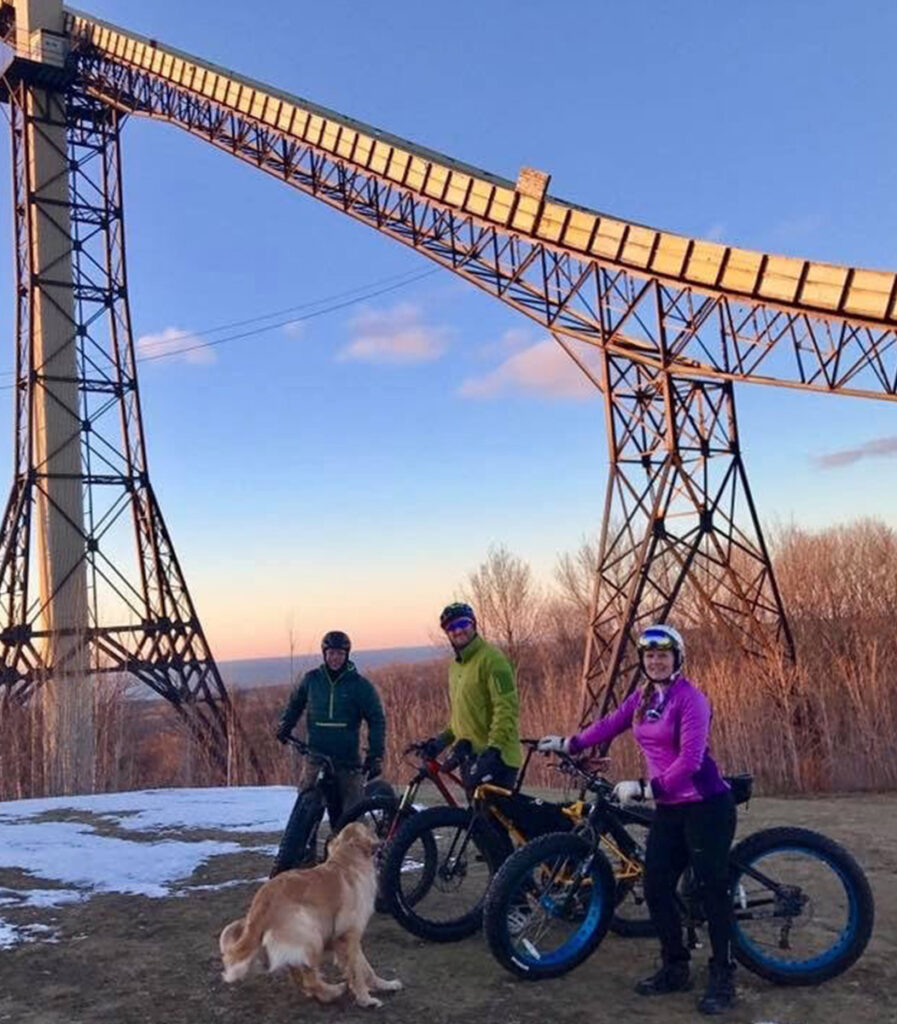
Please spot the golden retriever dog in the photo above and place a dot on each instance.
(299, 916)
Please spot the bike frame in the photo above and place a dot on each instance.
(607, 824)
(484, 809)
(429, 770)
(326, 775)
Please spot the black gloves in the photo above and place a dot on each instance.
(460, 754)
(435, 745)
(373, 767)
(488, 764)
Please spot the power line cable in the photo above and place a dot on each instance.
(332, 308)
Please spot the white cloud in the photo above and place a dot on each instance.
(879, 447)
(513, 340)
(394, 336)
(542, 369)
(294, 329)
(716, 232)
(185, 345)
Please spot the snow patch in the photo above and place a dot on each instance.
(15, 935)
(239, 808)
(40, 897)
(87, 863)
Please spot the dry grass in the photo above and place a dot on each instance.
(824, 725)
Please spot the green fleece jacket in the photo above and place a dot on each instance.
(336, 709)
(483, 696)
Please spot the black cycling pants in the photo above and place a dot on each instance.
(697, 834)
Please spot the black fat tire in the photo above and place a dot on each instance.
(623, 925)
(627, 927)
(420, 826)
(505, 884)
(388, 807)
(379, 787)
(306, 817)
(767, 840)
(369, 805)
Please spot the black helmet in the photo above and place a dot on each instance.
(458, 610)
(336, 640)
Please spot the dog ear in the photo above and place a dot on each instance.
(359, 837)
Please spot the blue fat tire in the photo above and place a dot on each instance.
(754, 846)
(505, 884)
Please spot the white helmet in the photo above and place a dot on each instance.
(662, 637)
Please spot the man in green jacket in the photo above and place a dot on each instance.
(483, 698)
(335, 700)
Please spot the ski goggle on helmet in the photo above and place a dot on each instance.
(457, 616)
(662, 638)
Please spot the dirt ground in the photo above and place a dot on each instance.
(133, 959)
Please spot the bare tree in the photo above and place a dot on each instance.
(507, 601)
(575, 576)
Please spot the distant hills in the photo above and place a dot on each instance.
(247, 673)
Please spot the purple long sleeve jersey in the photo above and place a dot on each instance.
(676, 745)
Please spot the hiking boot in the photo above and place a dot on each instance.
(672, 977)
(720, 992)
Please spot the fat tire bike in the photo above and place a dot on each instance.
(306, 831)
(802, 907)
(441, 897)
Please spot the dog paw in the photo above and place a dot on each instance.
(330, 993)
(390, 986)
(371, 1001)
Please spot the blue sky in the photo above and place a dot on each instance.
(306, 478)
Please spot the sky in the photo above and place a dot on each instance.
(349, 471)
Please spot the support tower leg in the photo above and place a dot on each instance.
(680, 538)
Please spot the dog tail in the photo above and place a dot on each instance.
(240, 943)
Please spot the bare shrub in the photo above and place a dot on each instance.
(825, 724)
(507, 601)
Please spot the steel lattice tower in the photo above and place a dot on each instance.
(663, 325)
(81, 484)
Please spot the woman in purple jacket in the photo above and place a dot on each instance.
(695, 817)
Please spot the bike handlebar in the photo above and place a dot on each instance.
(428, 763)
(306, 751)
(578, 766)
(314, 755)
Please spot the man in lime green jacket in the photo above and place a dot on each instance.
(483, 697)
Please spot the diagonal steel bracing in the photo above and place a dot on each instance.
(662, 325)
(501, 240)
(139, 616)
(680, 528)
